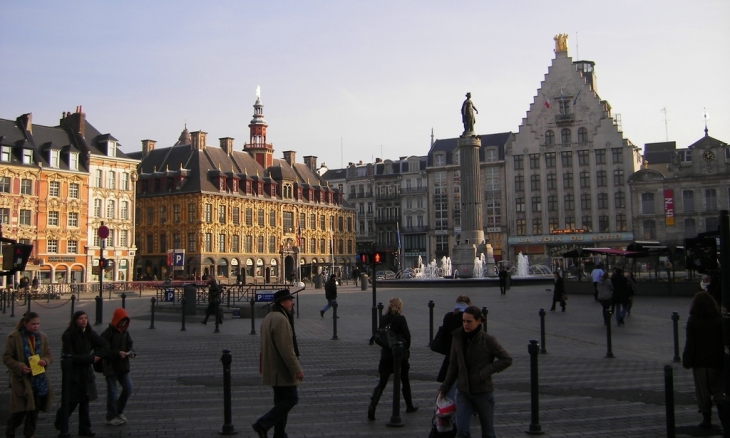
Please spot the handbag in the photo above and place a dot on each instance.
(564, 297)
(385, 337)
(439, 344)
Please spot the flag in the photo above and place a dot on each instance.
(299, 235)
(547, 101)
(576, 97)
(397, 233)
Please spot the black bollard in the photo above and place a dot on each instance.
(4, 295)
(334, 321)
(609, 351)
(380, 313)
(218, 316)
(124, 300)
(675, 324)
(542, 331)
(485, 312)
(152, 318)
(430, 321)
(73, 303)
(29, 300)
(227, 428)
(398, 351)
(99, 310)
(66, 364)
(535, 428)
(12, 304)
(669, 399)
(182, 303)
(253, 317)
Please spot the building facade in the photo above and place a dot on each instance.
(567, 170)
(237, 212)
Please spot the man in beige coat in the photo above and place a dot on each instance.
(279, 364)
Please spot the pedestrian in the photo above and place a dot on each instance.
(86, 347)
(580, 272)
(604, 295)
(452, 321)
(703, 352)
(502, 281)
(330, 292)
(596, 275)
(116, 366)
(634, 290)
(27, 355)
(475, 357)
(279, 364)
(621, 295)
(214, 294)
(558, 292)
(394, 318)
(356, 275)
(705, 282)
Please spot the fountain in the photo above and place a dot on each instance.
(523, 265)
(427, 272)
(446, 266)
(478, 268)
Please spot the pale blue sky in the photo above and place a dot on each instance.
(370, 75)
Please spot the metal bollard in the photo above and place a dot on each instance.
(535, 428)
(218, 316)
(430, 321)
(542, 331)
(66, 365)
(669, 399)
(380, 313)
(152, 318)
(182, 303)
(398, 351)
(609, 352)
(4, 295)
(227, 428)
(675, 325)
(253, 317)
(12, 304)
(485, 312)
(73, 304)
(124, 300)
(29, 300)
(334, 321)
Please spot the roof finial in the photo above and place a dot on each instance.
(706, 116)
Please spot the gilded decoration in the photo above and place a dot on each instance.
(561, 42)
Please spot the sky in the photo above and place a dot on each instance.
(350, 81)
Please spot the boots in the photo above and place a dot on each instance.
(706, 420)
(374, 402)
(410, 407)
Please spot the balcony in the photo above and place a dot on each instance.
(383, 196)
(387, 219)
(417, 229)
(564, 119)
(361, 195)
(413, 191)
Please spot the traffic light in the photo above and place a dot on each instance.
(102, 263)
(378, 258)
(364, 258)
(16, 255)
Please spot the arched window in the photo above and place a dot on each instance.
(549, 137)
(582, 135)
(565, 136)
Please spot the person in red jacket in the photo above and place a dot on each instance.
(116, 366)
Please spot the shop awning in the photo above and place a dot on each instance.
(610, 251)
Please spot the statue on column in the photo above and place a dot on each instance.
(467, 115)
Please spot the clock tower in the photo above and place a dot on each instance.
(257, 147)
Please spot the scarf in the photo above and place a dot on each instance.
(290, 318)
(37, 383)
(460, 307)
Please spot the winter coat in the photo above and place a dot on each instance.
(214, 293)
(605, 289)
(330, 289)
(621, 289)
(452, 321)
(279, 362)
(502, 277)
(558, 289)
(703, 347)
(399, 326)
(21, 394)
(472, 368)
(83, 346)
(118, 341)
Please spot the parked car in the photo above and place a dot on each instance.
(385, 275)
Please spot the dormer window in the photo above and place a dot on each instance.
(491, 155)
(439, 159)
(73, 159)
(28, 156)
(456, 158)
(299, 193)
(55, 159)
(234, 185)
(248, 187)
(111, 148)
(272, 189)
(260, 189)
(5, 153)
(222, 184)
(311, 195)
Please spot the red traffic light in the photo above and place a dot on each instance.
(363, 258)
(102, 263)
(16, 255)
(378, 257)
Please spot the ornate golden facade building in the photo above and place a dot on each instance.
(214, 210)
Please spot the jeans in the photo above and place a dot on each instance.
(285, 398)
(483, 404)
(329, 304)
(621, 309)
(114, 405)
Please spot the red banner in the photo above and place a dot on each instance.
(669, 207)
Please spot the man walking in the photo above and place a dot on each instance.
(214, 294)
(502, 280)
(330, 292)
(279, 364)
(596, 276)
(116, 366)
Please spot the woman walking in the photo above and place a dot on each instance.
(452, 321)
(621, 295)
(86, 347)
(27, 354)
(604, 295)
(703, 352)
(398, 325)
(558, 292)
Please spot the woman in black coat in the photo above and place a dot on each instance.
(558, 292)
(621, 295)
(452, 321)
(398, 325)
(86, 347)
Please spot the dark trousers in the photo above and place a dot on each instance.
(285, 398)
(30, 417)
(503, 288)
(558, 300)
(404, 381)
(84, 421)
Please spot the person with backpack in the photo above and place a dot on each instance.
(116, 366)
(452, 321)
(621, 295)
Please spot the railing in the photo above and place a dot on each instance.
(386, 219)
(417, 229)
(387, 196)
(564, 118)
(231, 294)
(413, 190)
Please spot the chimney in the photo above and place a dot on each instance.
(75, 122)
(359, 163)
(147, 147)
(402, 158)
(227, 145)
(290, 157)
(378, 160)
(198, 138)
(311, 162)
(587, 69)
(26, 122)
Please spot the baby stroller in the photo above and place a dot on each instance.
(443, 423)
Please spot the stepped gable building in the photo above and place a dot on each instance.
(444, 182)
(236, 212)
(58, 184)
(568, 168)
(680, 192)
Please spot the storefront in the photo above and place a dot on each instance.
(547, 249)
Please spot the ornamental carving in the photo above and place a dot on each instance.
(561, 42)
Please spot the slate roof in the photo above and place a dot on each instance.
(489, 140)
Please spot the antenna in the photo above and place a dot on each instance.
(666, 127)
(342, 160)
(577, 52)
